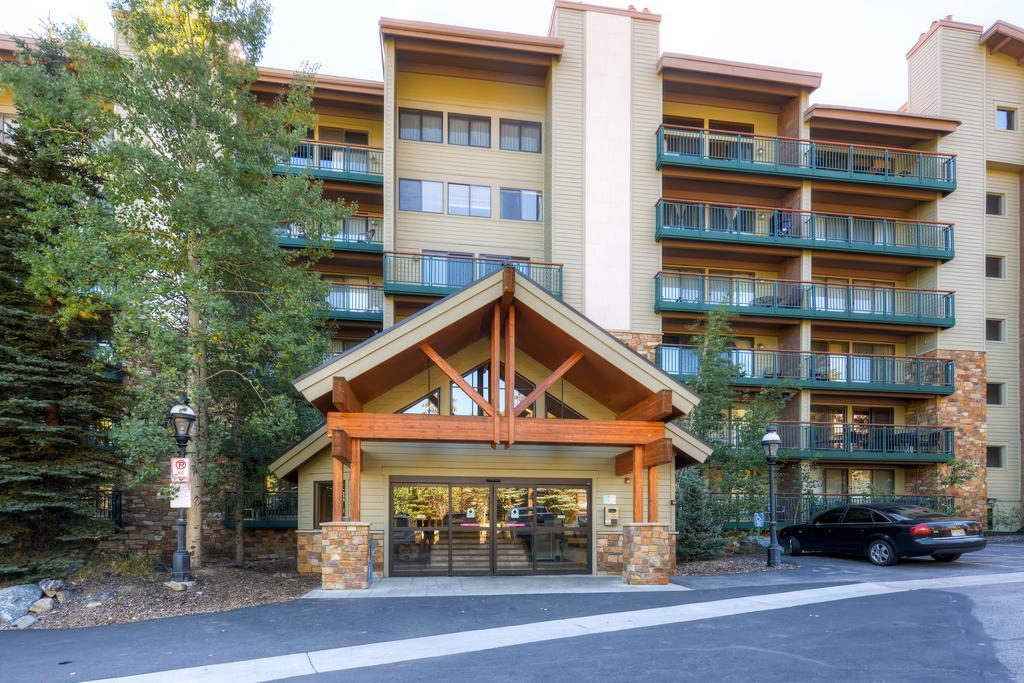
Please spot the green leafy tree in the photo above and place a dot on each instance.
(59, 392)
(206, 304)
(700, 536)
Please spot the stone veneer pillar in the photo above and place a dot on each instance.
(345, 555)
(309, 548)
(609, 553)
(647, 550)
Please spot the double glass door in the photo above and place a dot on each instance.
(466, 527)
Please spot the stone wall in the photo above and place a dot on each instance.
(346, 555)
(641, 342)
(647, 551)
(308, 549)
(378, 554)
(609, 553)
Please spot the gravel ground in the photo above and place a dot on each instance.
(218, 588)
(1006, 538)
(732, 564)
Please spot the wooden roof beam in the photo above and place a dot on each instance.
(658, 452)
(456, 377)
(655, 408)
(548, 381)
(344, 397)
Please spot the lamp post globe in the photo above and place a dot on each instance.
(181, 418)
(770, 442)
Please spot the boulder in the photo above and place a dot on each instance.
(752, 544)
(175, 585)
(100, 598)
(25, 621)
(51, 586)
(41, 605)
(15, 601)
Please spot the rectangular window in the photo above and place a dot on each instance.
(521, 205)
(994, 266)
(994, 204)
(994, 394)
(469, 200)
(995, 330)
(471, 131)
(883, 482)
(1006, 119)
(423, 126)
(420, 195)
(994, 456)
(520, 136)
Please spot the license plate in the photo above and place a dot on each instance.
(957, 532)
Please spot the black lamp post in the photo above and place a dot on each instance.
(770, 442)
(181, 418)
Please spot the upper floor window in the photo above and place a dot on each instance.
(994, 394)
(424, 126)
(554, 407)
(1006, 119)
(471, 131)
(994, 456)
(7, 124)
(342, 135)
(994, 204)
(520, 205)
(469, 200)
(995, 329)
(425, 405)
(520, 136)
(421, 195)
(994, 266)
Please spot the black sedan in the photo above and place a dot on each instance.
(885, 533)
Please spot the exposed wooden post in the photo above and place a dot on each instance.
(539, 390)
(344, 397)
(495, 380)
(510, 374)
(656, 453)
(652, 494)
(356, 481)
(638, 483)
(338, 491)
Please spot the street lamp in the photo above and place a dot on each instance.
(181, 418)
(770, 442)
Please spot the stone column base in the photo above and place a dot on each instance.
(345, 557)
(609, 553)
(308, 546)
(647, 550)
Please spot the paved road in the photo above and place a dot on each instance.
(974, 632)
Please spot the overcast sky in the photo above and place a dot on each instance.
(859, 47)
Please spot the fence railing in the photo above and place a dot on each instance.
(356, 299)
(108, 504)
(337, 159)
(737, 510)
(814, 229)
(855, 441)
(684, 291)
(278, 509)
(356, 230)
(808, 158)
(809, 369)
(442, 274)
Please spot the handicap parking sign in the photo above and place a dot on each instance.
(759, 519)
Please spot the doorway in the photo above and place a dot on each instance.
(470, 527)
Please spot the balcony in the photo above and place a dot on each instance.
(355, 233)
(330, 161)
(356, 302)
(802, 229)
(264, 509)
(814, 370)
(793, 299)
(857, 442)
(444, 274)
(678, 146)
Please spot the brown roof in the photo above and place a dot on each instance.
(9, 45)
(644, 14)
(1005, 38)
(741, 70)
(325, 81)
(880, 117)
(445, 33)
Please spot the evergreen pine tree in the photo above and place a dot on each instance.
(700, 538)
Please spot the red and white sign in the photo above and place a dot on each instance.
(181, 481)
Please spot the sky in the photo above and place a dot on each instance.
(859, 47)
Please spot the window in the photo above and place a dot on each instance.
(994, 394)
(857, 516)
(883, 482)
(995, 330)
(420, 195)
(1006, 119)
(555, 408)
(471, 131)
(7, 125)
(342, 135)
(427, 405)
(479, 379)
(520, 205)
(994, 204)
(324, 502)
(995, 266)
(423, 126)
(830, 517)
(994, 456)
(520, 136)
(469, 200)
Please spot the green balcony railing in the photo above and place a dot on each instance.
(788, 298)
(856, 441)
(355, 233)
(819, 370)
(331, 161)
(805, 158)
(356, 302)
(263, 509)
(736, 510)
(443, 274)
(804, 229)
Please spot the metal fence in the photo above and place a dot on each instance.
(326, 156)
(108, 504)
(735, 510)
(357, 229)
(356, 298)
(445, 273)
(264, 508)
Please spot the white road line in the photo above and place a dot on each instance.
(390, 652)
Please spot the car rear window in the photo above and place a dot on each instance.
(913, 512)
(878, 517)
(830, 517)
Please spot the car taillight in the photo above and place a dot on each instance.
(920, 530)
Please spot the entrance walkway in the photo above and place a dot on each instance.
(449, 586)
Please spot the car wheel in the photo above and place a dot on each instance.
(946, 557)
(881, 553)
(793, 546)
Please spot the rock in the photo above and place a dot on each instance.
(41, 605)
(175, 585)
(752, 544)
(51, 586)
(25, 621)
(97, 600)
(15, 601)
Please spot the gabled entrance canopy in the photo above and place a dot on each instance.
(514, 315)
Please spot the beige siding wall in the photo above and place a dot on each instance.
(1004, 87)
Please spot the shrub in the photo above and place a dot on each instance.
(700, 538)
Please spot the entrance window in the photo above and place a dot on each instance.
(479, 379)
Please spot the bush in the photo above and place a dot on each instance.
(700, 538)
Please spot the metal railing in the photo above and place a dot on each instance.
(737, 510)
(814, 229)
(813, 158)
(440, 274)
(356, 299)
(333, 158)
(264, 508)
(817, 368)
(358, 229)
(684, 291)
(108, 504)
(843, 440)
